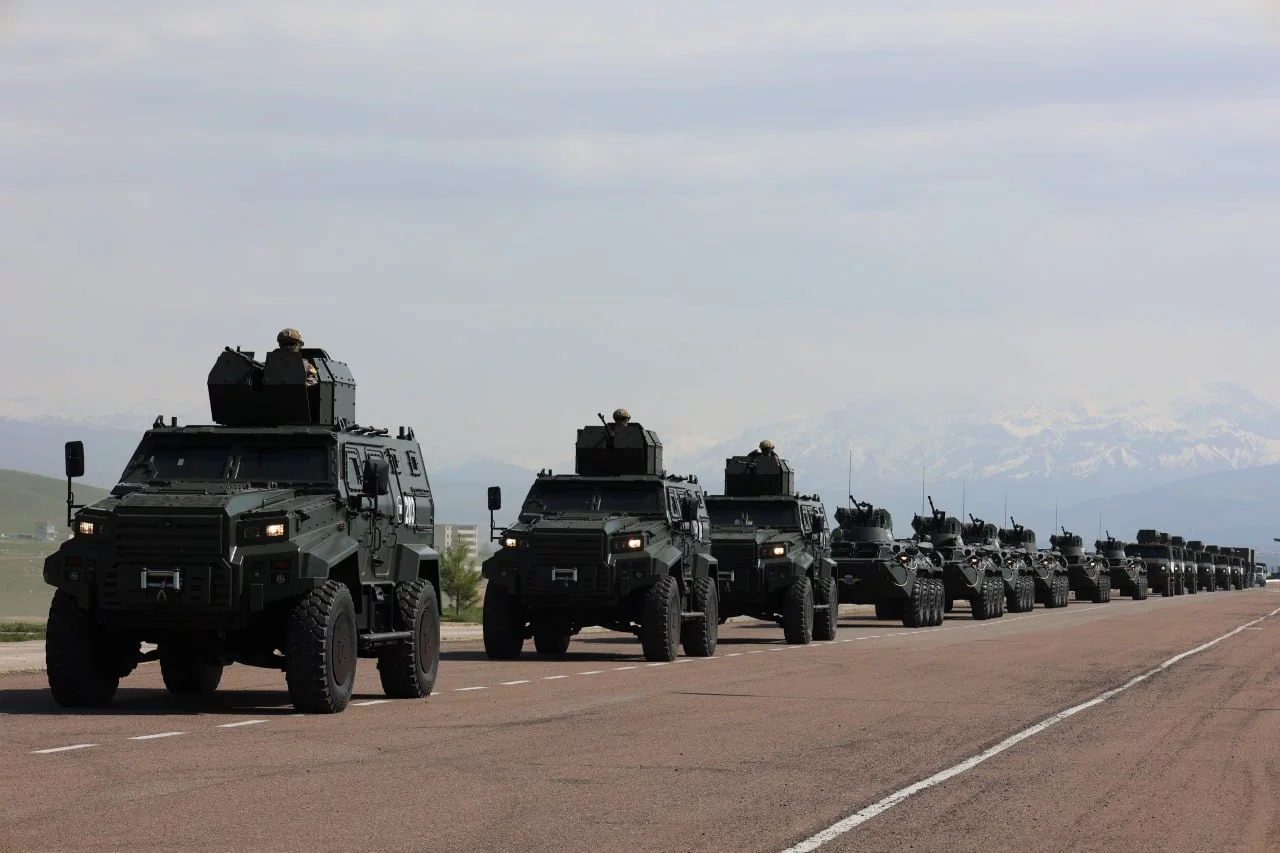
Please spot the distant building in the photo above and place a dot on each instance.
(447, 534)
(46, 531)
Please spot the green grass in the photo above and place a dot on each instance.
(26, 499)
(470, 614)
(17, 632)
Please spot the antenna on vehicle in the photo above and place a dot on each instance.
(962, 497)
(850, 491)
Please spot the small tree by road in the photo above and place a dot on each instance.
(459, 577)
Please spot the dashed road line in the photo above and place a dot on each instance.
(62, 748)
(369, 702)
(858, 818)
(621, 668)
(553, 677)
(513, 683)
(241, 723)
(592, 672)
(465, 689)
(156, 736)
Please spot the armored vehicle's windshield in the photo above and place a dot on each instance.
(247, 461)
(613, 497)
(1147, 551)
(736, 512)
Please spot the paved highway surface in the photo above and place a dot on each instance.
(1075, 729)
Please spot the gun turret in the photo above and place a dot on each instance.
(248, 393)
(614, 450)
(758, 475)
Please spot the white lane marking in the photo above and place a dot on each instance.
(659, 663)
(592, 672)
(153, 737)
(553, 677)
(465, 689)
(241, 723)
(683, 660)
(621, 668)
(734, 655)
(756, 652)
(62, 748)
(513, 683)
(857, 819)
(369, 702)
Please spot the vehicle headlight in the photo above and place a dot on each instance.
(774, 551)
(510, 542)
(628, 543)
(903, 558)
(252, 532)
(274, 530)
(86, 528)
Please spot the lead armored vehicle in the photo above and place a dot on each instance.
(1206, 577)
(620, 543)
(1154, 549)
(968, 573)
(1186, 564)
(897, 576)
(1128, 574)
(773, 549)
(1090, 574)
(282, 536)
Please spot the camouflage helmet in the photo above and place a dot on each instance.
(621, 416)
(766, 445)
(289, 337)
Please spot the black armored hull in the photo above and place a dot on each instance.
(866, 580)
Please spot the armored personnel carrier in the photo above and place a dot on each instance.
(619, 543)
(1128, 573)
(1206, 577)
(282, 536)
(1049, 578)
(1241, 566)
(773, 549)
(1155, 550)
(1188, 566)
(1090, 574)
(968, 572)
(897, 576)
(1017, 587)
(1221, 566)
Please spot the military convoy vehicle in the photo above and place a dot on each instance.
(968, 573)
(283, 536)
(1090, 574)
(1206, 578)
(1241, 566)
(1128, 573)
(620, 543)
(1155, 550)
(1050, 576)
(897, 576)
(1187, 564)
(1016, 583)
(1221, 566)
(773, 549)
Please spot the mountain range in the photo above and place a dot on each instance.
(1216, 447)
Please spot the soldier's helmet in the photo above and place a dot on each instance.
(621, 416)
(766, 445)
(289, 338)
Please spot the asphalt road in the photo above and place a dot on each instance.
(887, 739)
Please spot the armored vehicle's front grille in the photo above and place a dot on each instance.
(175, 539)
(735, 555)
(568, 552)
(556, 554)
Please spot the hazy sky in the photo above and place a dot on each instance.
(509, 216)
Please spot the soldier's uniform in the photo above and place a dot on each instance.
(291, 339)
(765, 449)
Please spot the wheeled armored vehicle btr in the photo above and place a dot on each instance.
(1128, 574)
(968, 572)
(283, 536)
(1090, 573)
(1206, 577)
(897, 576)
(1187, 564)
(1154, 549)
(1049, 574)
(772, 548)
(1014, 570)
(620, 543)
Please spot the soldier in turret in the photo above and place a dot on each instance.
(291, 339)
(621, 417)
(765, 449)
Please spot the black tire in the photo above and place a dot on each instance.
(700, 636)
(1064, 591)
(797, 613)
(1193, 585)
(187, 670)
(83, 666)
(320, 650)
(660, 620)
(827, 622)
(1136, 593)
(918, 607)
(551, 637)
(1166, 591)
(503, 622)
(408, 669)
(939, 602)
(984, 605)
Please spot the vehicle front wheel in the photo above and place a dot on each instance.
(827, 621)
(83, 664)
(503, 623)
(699, 637)
(660, 620)
(320, 653)
(408, 669)
(797, 613)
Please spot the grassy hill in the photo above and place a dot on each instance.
(26, 499)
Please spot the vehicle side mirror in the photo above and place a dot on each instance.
(689, 509)
(376, 480)
(495, 498)
(74, 453)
